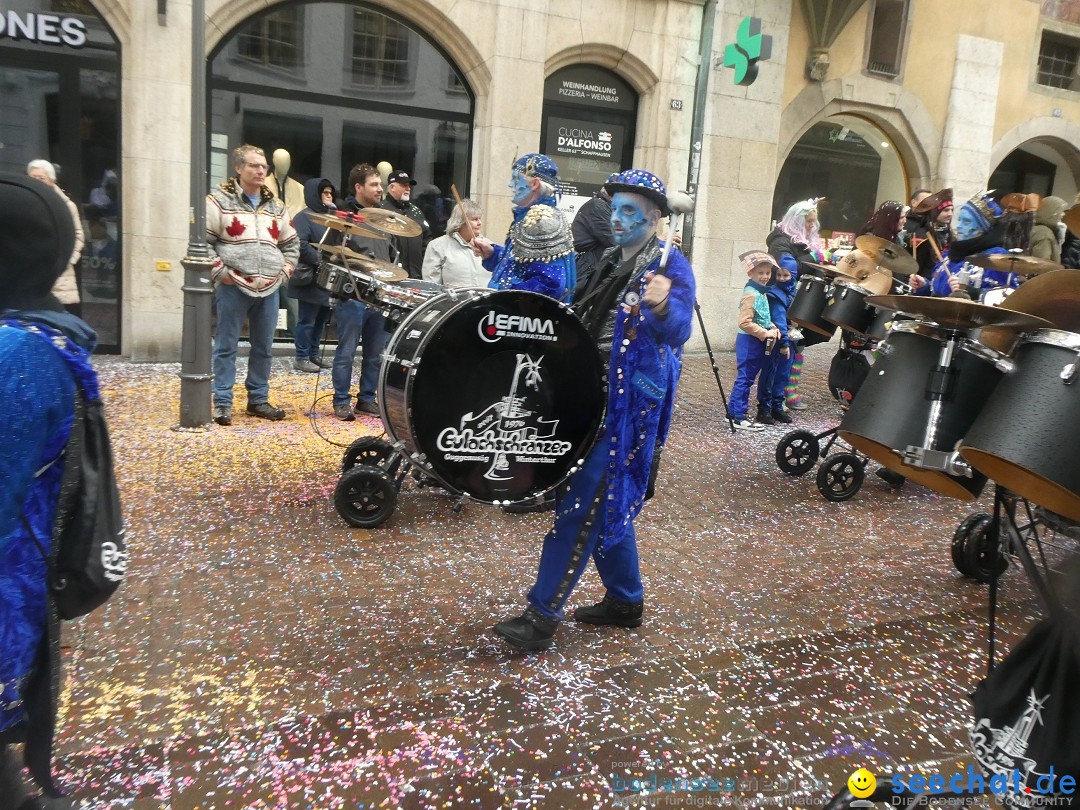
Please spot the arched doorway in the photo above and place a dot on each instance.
(1044, 166)
(850, 162)
(337, 83)
(60, 74)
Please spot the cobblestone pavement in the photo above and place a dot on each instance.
(264, 654)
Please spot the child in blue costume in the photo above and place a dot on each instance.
(538, 255)
(777, 370)
(640, 315)
(755, 328)
(41, 347)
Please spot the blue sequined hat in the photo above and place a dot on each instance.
(536, 165)
(638, 181)
(985, 210)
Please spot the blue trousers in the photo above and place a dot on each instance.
(233, 306)
(750, 359)
(574, 539)
(356, 322)
(311, 320)
(774, 377)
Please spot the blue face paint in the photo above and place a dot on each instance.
(967, 225)
(520, 188)
(629, 222)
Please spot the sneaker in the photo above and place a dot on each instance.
(748, 426)
(223, 414)
(367, 406)
(611, 612)
(306, 365)
(322, 362)
(782, 416)
(344, 412)
(264, 410)
(764, 417)
(530, 631)
(796, 405)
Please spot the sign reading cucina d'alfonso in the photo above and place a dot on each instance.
(42, 28)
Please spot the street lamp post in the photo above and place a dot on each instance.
(195, 374)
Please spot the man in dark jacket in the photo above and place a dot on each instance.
(592, 236)
(410, 249)
(314, 309)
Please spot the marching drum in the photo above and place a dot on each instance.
(897, 403)
(496, 395)
(811, 296)
(1025, 438)
(847, 308)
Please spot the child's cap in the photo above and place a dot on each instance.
(753, 258)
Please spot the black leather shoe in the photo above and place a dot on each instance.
(611, 612)
(530, 631)
(264, 410)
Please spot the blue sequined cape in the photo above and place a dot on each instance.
(555, 279)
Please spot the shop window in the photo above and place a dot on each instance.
(275, 40)
(888, 24)
(1058, 57)
(380, 52)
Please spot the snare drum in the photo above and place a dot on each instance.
(847, 308)
(497, 395)
(811, 296)
(342, 282)
(408, 293)
(1025, 438)
(893, 408)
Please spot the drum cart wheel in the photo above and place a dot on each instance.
(370, 451)
(365, 496)
(840, 476)
(976, 553)
(797, 452)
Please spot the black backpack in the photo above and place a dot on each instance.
(88, 557)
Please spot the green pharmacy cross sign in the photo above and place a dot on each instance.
(750, 47)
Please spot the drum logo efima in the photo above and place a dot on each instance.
(506, 429)
(496, 325)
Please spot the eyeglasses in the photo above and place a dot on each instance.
(327, 192)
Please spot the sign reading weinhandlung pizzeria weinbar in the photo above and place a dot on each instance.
(583, 139)
(587, 86)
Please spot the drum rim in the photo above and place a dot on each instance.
(1062, 338)
(815, 280)
(888, 457)
(1036, 486)
(851, 286)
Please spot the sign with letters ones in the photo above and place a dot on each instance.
(46, 29)
(583, 139)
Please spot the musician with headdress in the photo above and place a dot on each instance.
(640, 311)
(930, 234)
(538, 255)
(982, 227)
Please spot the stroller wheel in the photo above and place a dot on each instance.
(797, 452)
(975, 553)
(368, 450)
(840, 476)
(365, 497)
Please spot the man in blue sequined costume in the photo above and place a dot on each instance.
(42, 350)
(523, 263)
(640, 315)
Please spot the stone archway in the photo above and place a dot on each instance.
(1057, 134)
(116, 17)
(641, 77)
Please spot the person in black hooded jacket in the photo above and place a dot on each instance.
(314, 309)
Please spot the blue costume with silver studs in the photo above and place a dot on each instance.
(595, 508)
(553, 277)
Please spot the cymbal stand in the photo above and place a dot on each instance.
(715, 369)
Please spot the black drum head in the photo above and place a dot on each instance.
(507, 397)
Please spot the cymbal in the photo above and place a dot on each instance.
(1054, 296)
(887, 254)
(378, 269)
(1013, 263)
(829, 270)
(958, 313)
(345, 225)
(388, 222)
(865, 271)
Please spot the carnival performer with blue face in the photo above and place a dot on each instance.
(640, 315)
(980, 228)
(538, 255)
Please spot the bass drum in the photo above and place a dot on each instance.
(496, 395)
(1025, 437)
(892, 410)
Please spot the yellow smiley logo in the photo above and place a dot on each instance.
(861, 783)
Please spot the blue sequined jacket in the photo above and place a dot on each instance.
(646, 360)
(555, 278)
(37, 404)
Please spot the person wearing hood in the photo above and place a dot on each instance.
(42, 348)
(981, 228)
(410, 249)
(777, 369)
(314, 302)
(1045, 234)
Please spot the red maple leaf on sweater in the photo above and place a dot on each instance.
(275, 231)
(235, 229)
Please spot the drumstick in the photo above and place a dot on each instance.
(461, 207)
(934, 245)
